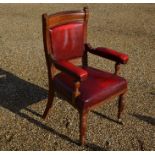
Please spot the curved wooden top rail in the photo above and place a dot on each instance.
(67, 17)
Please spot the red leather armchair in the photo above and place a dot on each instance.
(84, 87)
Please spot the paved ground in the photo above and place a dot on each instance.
(129, 28)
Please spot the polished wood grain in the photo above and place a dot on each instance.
(117, 68)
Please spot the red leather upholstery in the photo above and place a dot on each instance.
(65, 34)
(111, 54)
(99, 86)
(71, 69)
(67, 41)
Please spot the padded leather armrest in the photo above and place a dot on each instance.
(77, 72)
(109, 54)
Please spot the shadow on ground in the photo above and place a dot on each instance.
(105, 117)
(148, 119)
(17, 94)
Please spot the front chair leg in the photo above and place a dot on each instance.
(121, 105)
(49, 103)
(83, 125)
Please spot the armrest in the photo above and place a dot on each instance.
(109, 54)
(77, 72)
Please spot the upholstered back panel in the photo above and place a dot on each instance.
(67, 41)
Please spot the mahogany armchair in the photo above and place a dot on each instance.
(84, 87)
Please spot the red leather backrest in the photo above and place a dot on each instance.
(67, 41)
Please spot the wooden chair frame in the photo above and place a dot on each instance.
(53, 20)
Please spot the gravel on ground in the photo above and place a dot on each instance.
(128, 28)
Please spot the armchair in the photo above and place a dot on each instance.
(84, 87)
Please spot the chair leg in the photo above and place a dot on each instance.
(121, 105)
(49, 103)
(83, 125)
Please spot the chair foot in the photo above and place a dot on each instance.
(48, 106)
(121, 105)
(120, 121)
(46, 112)
(83, 124)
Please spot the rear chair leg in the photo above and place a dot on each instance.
(121, 105)
(49, 103)
(83, 125)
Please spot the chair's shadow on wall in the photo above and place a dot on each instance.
(17, 94)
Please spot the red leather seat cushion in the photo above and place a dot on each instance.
(99, 86)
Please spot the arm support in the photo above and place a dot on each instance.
(109, 54)
(78, 73)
